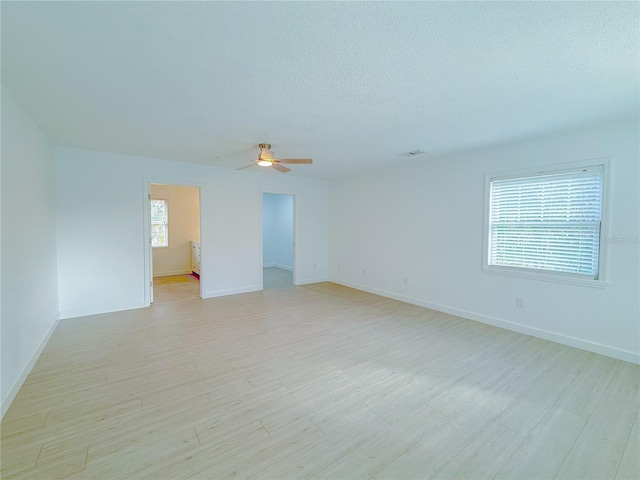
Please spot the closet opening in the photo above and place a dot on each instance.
(278, 241)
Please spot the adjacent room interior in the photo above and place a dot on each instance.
(175, 242)
(278, 240)
(393, 240)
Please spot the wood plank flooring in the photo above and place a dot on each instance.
(175, 287)
(318, 381)
(274, 277)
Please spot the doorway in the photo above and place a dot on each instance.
(278, 241)
(174, 256)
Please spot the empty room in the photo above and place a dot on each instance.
(342, 240)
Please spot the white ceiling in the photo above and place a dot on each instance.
(352, 85)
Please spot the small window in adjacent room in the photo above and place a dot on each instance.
(159, 222)
(547, 224)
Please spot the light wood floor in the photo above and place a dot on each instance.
(273, 277)
(175, 287)
(316, 381)
(187, 287)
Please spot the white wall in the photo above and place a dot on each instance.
(277, 231)
(424, 221)
(184, 227)
(29, 284)
(100, 227)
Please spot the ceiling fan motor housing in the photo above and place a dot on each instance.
(265, 155)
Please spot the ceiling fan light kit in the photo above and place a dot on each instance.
(265, 159)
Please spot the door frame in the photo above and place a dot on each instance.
(295, 235)
(146, 233)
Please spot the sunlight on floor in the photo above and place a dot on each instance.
(175, 288)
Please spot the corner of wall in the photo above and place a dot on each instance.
(15, 388)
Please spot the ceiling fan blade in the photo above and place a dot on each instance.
(280, 168)
(246, 166)
(299, 161)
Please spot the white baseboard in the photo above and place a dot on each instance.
(278, 265)
(99, 310)
(608, 350)
(170, 273)
(255, 288)
(307, 281)
(231, 291)
(15, 388)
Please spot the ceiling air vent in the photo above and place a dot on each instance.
(412, 153)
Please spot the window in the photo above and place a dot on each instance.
(547, 224)
(159, 223)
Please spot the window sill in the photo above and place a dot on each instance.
(545, 277)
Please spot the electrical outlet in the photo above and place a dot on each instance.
(314, 266)
(364, 272)
(519, 302)
(339, 267)
(405, 281)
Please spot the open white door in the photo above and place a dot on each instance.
(150, 254)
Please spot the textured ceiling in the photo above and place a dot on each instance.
(352, 85)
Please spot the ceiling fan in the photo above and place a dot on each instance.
(265, 159)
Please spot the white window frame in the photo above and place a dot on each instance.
(166, 200)
(546, 275)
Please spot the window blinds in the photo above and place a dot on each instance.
(159, 223)
(547, 222)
